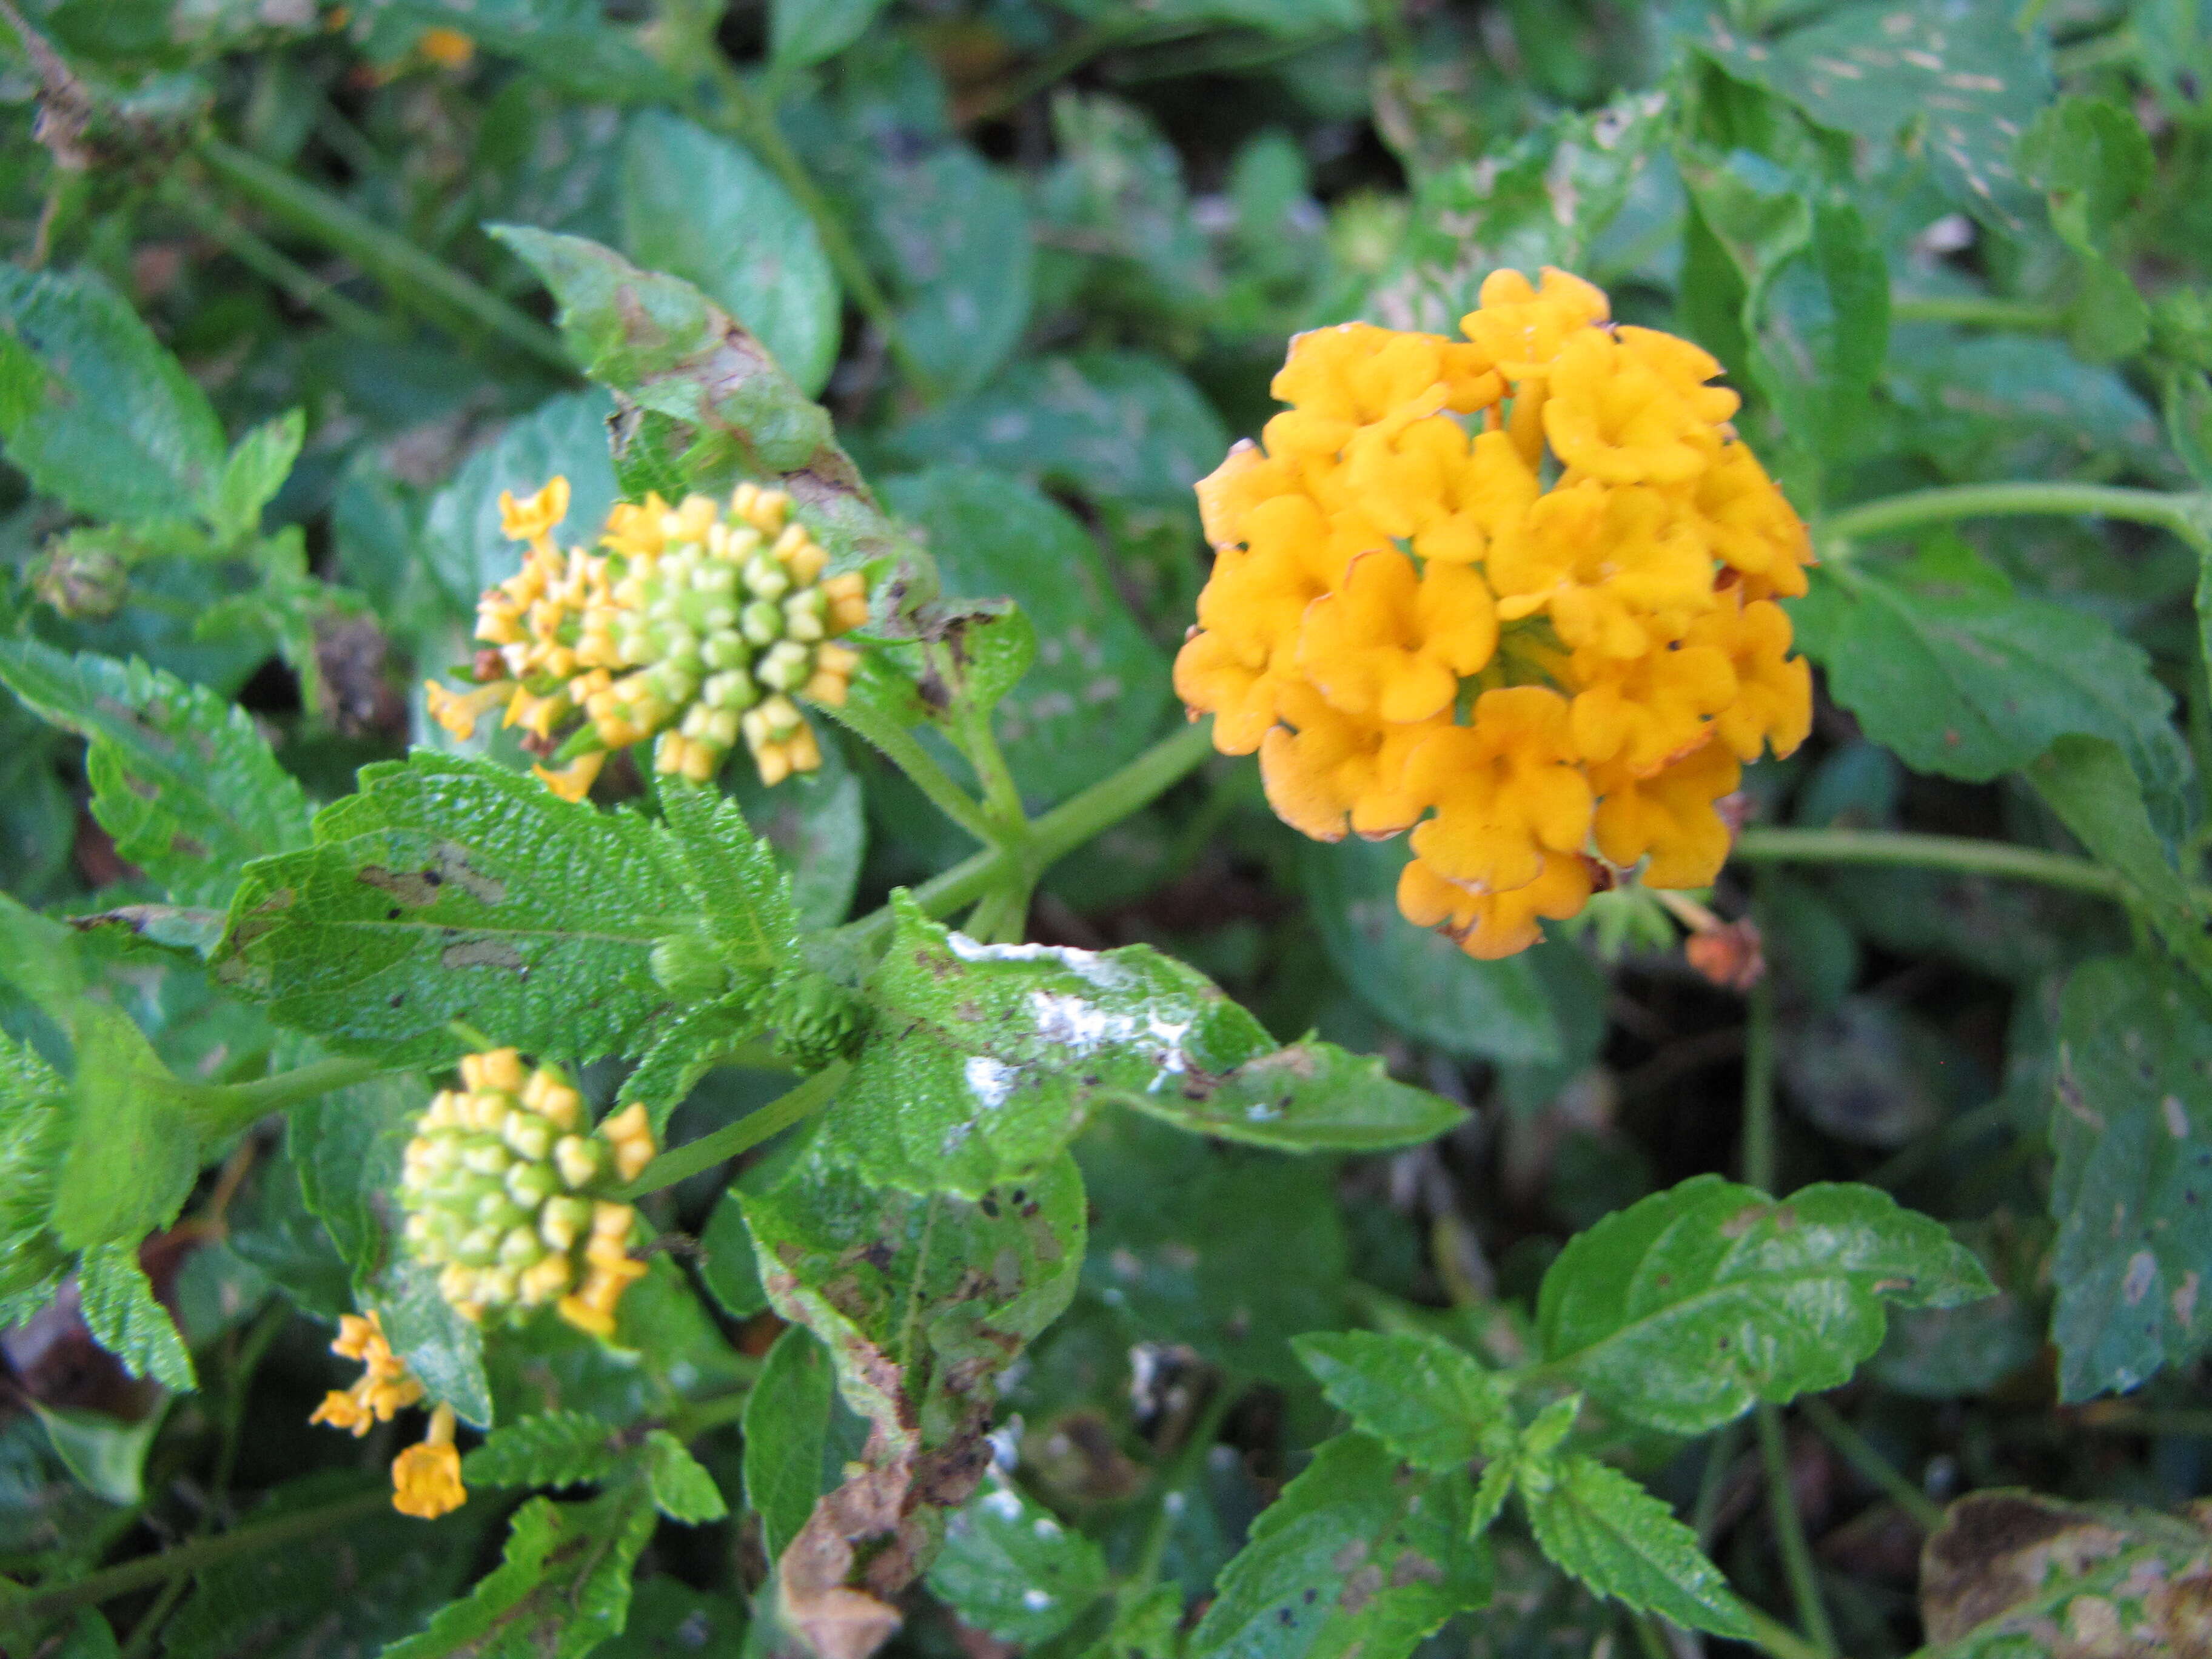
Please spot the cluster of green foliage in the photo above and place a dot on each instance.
(1015, 1287)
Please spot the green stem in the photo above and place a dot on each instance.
(754, 121)
(681, 1163)
(1979, 311)
(223, 1106)
(1758, 1157)
(1647, 1638)
(147, 1571)
(702, 1416)
(1000, 916)
(406, 272)
(1049, 71)
(1861, 1455)
(2185, 515)
(904, 750)
(1054, 834)
(278, 267)
(1002, 797)
(1187, 1458)
(1720, 1458)
(1780, 1640)
(1789, 1532)
(1961, 854)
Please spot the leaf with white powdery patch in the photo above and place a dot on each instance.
(1008, 1567)
(988, 1059)
(1681, 1311)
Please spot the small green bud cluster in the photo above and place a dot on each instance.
(815, 1020)
(512, 1201)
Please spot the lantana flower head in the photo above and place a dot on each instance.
(1513, 593)
(426, 1477)
(693, 626)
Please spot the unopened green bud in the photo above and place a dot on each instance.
(577, 1158)
(519, 1249)
(763, 622)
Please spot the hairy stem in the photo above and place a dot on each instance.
(681, 1163)
(2188, 516)
(1789, 1532)
(1056, 833)
(1979, 311)
(1859, 1452)
(1961, 854)
(224, 1107)
(411, 276)
(147, 1571)
(904, 750)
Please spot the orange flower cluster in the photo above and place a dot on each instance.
(1515, 593)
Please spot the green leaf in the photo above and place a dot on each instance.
(1681, 1311)
(703, 404)
(729, 1270)
(1115, 425)
(957, 234)
(92, 408)
(1971, 683)
(562, 1588)
(1434, 1404)
(565, 436)
(34, 1132)
(1099, 685)
(451, 889)
(2005, 405)
(2090, 158)
(681, 1487)
(1229, 1251)
(669, 1619)
(803, 32)
(1359, 1557)
(1963, 83)
(698, 206)
(181, 777)
(133, 1152)
(2131, 1128)
(890, 1283)
(1008, 1567)
(124, 1318)
(106, 1454)
(787, 1422)
(736, 889)
(1414, 977)
(2087, 782)
(376, 1583)
(347, 1149)
(439, 1346)
(254, 473)
(986, 1059)
(552, 1449)
(1607, 1531)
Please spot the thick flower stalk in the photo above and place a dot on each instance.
(426, 1477)
(693, 626)
(1515, 593)
(512, 1198)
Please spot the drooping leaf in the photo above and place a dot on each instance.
(120, 1311)
(1098, 686)
(988, 1059)
(698, 206)
(1434, 1404)
(1617, 1538)
(1414, 977)
(1681, 1311)
(450, 889)
(565, 436)
(1010, 1568)
(1359, 1556)
(182, 778)
(562, 1588)
(786, 1421)
(551, 1448)
(92, 408)
(1229, 1251)
(2131, 1128)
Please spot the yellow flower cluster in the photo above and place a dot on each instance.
(693, 626)
(1513, 593)
(508, 1196)
(426, 1479)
